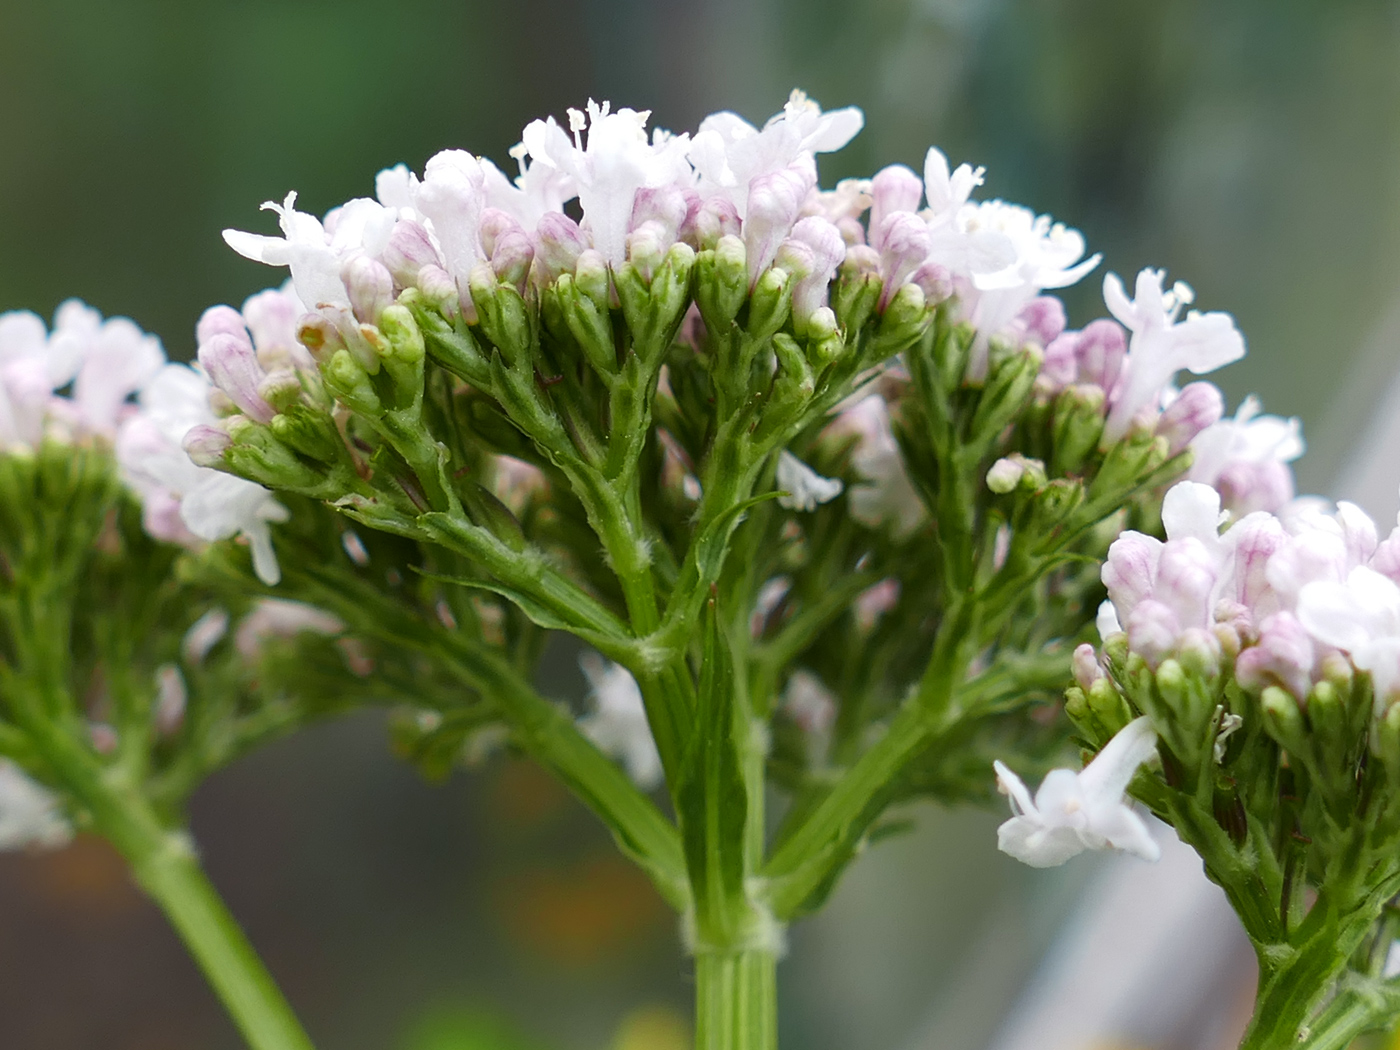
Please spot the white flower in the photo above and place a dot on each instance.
(618, 722)
(958, 239)
(203, 635)
(610, 168)
(1047, 255)
(1073, 811)
(1246, 458)
(729, 153)
(1161, 346)
(804, 488)
(115, 358)
(30, 814)
(1362, 618)
(182, 500)
(537, 190)
(27, 378)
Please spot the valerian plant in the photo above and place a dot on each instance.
(818, 478)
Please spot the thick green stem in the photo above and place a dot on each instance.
(736, 1001)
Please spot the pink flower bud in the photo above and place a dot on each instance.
(646, 248)
(233, 367)
(1186, 576)
(1043, 319)
(903, 242)
(1197, 406)
(408, 251)
(440, 289)
(171, 698)
(370, 287)
(220, 320)
(271, 316)
(1086, 667)
(206, 445)
(1255, 539)
(665, 205)
(1285, 655)
(494, 223)
(558, 243)
(893, 189)
(826, 250)
(1130, 570)
(1152, 631)
(1102, 347)
(1249, 487)
(775, 201)
(935, 281)
(512, 256)
(706, 221)
(1386, 559)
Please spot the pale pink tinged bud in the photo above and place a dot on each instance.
(646, 247)
(591, 274)
(935, 281)
(171, 698)
(1102, 347)
(1152, 631)
(1386, 560)
(1043, 319)
(558, 243)
(512, 257)
(1285, 655)
(220, 320)
(1086, 667)
(1198, 406)
(494, 223)
(775, 201)
(1256, 539)
(828, 249)
(1246, 487)
(370, 287)
(795, 257)
(1186, 576)
(666, 205)
(903, 241)
(271, 316)
(1059, 368)
(1130, 569)
(221, 405)
(206, 445)
(893, 189)
(440, 289)
(319, 336)
(280, 388)
(706, 221)
(1235, 617)
(408, 251)
(232, 365)
(1201, 643)
(354, 547)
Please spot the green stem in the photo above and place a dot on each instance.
(736, 1001)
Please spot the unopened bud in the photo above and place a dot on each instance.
(770, 303)
(349, 382)
(1197, 406)
(408, 251)
(1086, 667)
(369, 285)
(558, 244)
(281, 389)
(858, 287)
(220, 320)
(646, 247)
(893, 189)
(1076, 427)
(591, 276)
(706, 221)
(494, 224)
(512, 257)
(171, 698)
(206, 445)
(232, 365)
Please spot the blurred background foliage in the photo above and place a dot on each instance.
(1250, 146)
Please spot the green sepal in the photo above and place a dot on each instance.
(721, 283)
(589, 322)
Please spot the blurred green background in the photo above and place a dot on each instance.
(1250, 146)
